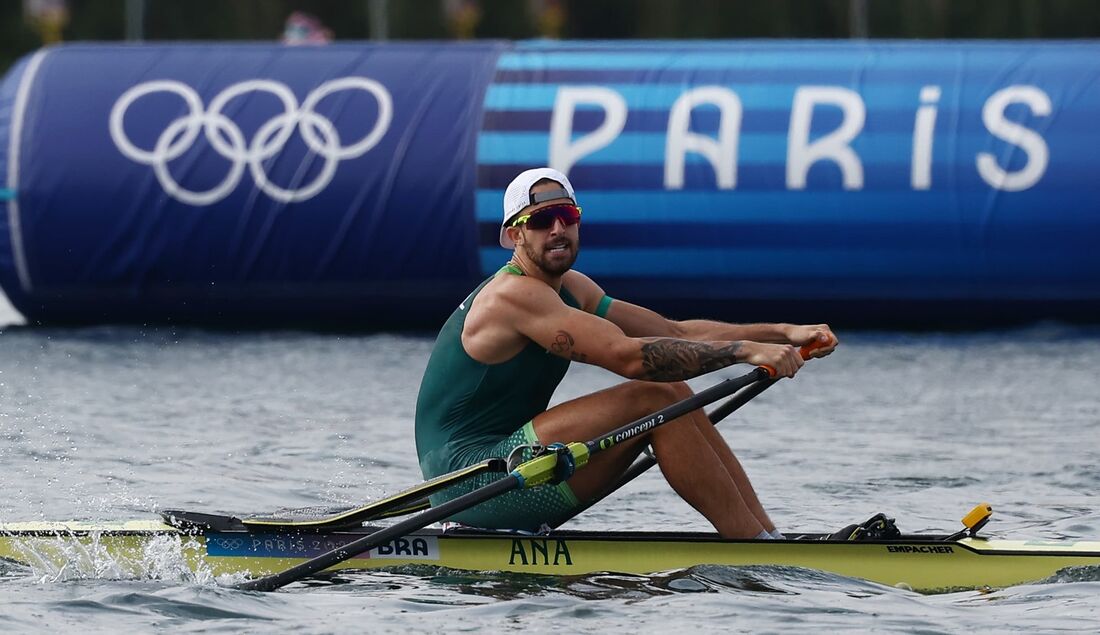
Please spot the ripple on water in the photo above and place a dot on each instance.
(186, 605)
(13, 570)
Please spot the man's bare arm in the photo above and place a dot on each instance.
(667, 359)
(638, 321)
(541, 316)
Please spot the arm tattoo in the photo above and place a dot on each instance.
(675, 360)
(563, 347)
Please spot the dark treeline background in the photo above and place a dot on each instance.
(567, 19)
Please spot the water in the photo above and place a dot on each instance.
(111, 423)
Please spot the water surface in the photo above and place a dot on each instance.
(111, 423)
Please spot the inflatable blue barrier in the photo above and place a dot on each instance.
(361, 184)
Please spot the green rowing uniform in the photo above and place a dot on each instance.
(468, 411)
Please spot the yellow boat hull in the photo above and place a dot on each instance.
(148, 548)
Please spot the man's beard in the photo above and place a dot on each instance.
(549, 267)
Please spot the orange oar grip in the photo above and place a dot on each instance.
(811, 347)
(804, 352)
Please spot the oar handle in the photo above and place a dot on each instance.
(805, 352)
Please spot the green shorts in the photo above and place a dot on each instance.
(524, 509)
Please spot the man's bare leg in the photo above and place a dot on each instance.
(736, 472)
(690, 465)
(718, 443)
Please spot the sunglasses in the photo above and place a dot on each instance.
(544, 218)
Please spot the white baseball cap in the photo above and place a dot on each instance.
(518, 196)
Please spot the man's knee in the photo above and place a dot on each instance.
(657, 395)
(681, 390)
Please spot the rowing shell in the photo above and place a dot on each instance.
(922, 562)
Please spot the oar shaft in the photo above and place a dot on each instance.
(382, 536)
(738, 400)
(676, 410)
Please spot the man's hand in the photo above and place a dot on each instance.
(813, 333)
(784, 358)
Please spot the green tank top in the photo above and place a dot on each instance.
(464, 404)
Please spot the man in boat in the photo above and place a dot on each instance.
(507, 346)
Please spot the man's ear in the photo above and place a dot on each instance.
(516, 234)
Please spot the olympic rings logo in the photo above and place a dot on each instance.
(229, 544)
(227, 139)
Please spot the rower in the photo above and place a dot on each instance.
(507, 346)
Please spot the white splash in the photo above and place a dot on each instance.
(94, 556)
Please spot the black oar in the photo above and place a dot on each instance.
(647, 461)
(741, 398)
(537, 471)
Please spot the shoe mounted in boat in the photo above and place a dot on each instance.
(877, 527)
